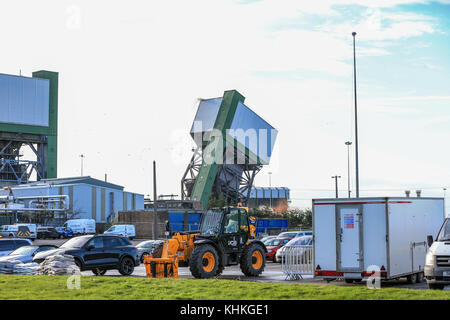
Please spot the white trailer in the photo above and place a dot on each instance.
(355, 237)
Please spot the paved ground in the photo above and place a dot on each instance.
(272, 273)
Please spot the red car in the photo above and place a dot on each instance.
(273, 245)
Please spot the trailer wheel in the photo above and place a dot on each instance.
(420, 277)
(348, 280)
(204, 262)
(253, 260)
(412, 278)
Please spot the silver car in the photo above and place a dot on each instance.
(146, 248)
(26, 253)
(302, 249)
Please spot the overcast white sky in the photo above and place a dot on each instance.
(131, 73)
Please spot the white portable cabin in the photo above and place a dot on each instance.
(354, 237)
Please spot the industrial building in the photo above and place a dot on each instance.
(273, 197)
(28, 119)
(87, 198)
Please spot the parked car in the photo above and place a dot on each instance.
(272, 247)
(26, 253)
(124, 230)
(47, 233)
(81, 226)
(8, 245)
(300, 252)
(146, 247)
(98, 253)
(265, 239)
(64, 232)
(19, 230)
(303, 233)
(437, 260)
(288, 234)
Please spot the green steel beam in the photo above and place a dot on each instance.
(52, 135)
(207, 174)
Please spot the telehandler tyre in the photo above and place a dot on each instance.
(253, 260)
(204, 262)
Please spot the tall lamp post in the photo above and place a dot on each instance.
(356, 118)
(82, 156)
(348, 144)
(336, 186)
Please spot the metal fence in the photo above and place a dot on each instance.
(297, 261)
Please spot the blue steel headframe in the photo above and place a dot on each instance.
(248, 133)
(248, 142)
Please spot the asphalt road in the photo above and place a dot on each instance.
(272, 273)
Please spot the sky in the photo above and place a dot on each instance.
(131, 74)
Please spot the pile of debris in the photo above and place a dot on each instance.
(58, 265)
(18, 267)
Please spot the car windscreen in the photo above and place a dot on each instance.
(77, 242)
(211, 222)
(145, 244)
(111, 229)
(444, 234)
(273, 242)
(26, 251)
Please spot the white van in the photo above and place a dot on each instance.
(125, 230)
(19, 230)
(437, 261)
(81, 226)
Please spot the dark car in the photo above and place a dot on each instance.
(64, 232)
(47, 233)
(98, 253)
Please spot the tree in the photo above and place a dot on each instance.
(298, 218)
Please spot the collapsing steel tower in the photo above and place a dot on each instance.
(28, 117)
(232, 145)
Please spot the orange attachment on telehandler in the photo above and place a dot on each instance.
(165, 262)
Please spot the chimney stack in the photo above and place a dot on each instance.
(407, 193)
(418, 192)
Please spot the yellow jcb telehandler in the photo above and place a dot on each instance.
(226, 237)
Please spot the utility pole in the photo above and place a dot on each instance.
(82, 156)
(356, 117)
(155, 205)
(348, 143)
(336, 182)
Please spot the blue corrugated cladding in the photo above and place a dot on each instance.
(176, 221)
(263, 225)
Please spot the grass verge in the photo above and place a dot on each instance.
(55, 288)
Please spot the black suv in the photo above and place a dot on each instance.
(98, 253)
(47, 233)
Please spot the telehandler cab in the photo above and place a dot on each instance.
(226, 237)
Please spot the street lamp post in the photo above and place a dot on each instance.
(82, 156)
(356, 118)
(336, 184)
(348, 143)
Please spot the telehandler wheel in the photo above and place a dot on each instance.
(204, 261)
(253, 260)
